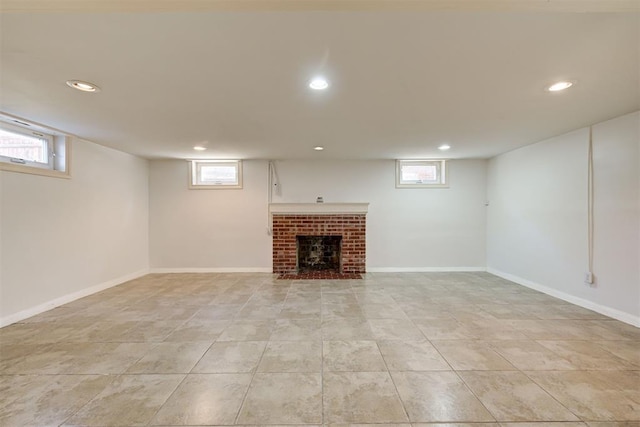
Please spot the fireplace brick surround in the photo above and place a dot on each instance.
(351, 226)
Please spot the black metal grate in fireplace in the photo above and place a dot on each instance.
(318, 253)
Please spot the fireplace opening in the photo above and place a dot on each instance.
(318, 253)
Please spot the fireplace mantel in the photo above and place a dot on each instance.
(318, 208)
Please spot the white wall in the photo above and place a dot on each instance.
(224, 230)
(616, 154)
(407, 229)
(65, 238)
(537, 219)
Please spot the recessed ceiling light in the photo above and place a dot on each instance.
(444, 147)
(319, 83)
(318, 148)
(199, 148)
(556, 87)
(83, 86)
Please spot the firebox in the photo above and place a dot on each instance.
(318, 253)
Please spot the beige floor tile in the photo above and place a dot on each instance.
(507, 311)
(73, 358)
(492, 329)
(311, 309)
(205, 399)
(382, 311)
(555, 329)
(150, 331)
(217, 312)
(39, 333)
(346, 329)
(127, 400)
(395, 329)
(170, 358)
(198, 330)
(472, 355)
(438, 397)
(545, 424)
(164, 322)
(292, 356)
(361, 397)
(626, 350)
(511, 396)
(98, 331)
(296, 330)
(623, 330)
(160, 313)
(46, 399)
(331, 287)
(594, 395)
(444, 329)
(339, 298)
(587, 355)
(374, 297)
(231, 357)
(333, 310)
(231, 299)
(412, 356)
(259, 311)
(352, 356)
(529, 355)
(248, 330)
(420, 310)
(31, 359)
(367, 425)
(464, 425)
(613, 423)
(283, 398)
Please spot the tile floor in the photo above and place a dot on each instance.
(390, 349)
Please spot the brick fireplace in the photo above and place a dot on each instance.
(346, 220)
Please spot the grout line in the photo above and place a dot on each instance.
(255, 371)
(388, 372)
(168, 398)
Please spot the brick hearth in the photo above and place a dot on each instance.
(352, 228)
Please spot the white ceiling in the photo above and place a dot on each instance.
(403, 79)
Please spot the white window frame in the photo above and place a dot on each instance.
(58, 149)
(441, 168)
(194, 174)
(29, 133)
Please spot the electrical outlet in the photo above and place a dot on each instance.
(588, 278)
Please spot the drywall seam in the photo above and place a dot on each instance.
(607, 311)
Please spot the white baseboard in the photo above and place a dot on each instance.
(213, 270)
(590, 305)
(423, 269)
(29, 312)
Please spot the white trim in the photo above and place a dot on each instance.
(13, 167)
(30, 312)
(422, 269)
(318, 208)
(213, 270)
(590, 305)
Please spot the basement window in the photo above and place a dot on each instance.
(215, 174)
(421, 174)
(33, 149)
